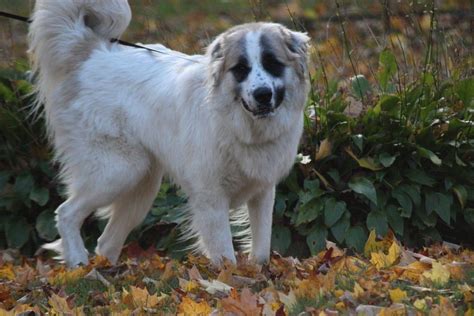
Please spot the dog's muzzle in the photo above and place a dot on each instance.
(262, 111)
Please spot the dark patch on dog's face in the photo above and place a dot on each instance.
(241, 70)
(280, 95)
(270, 62)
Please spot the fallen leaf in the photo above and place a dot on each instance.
(100, 262)
(397, 295)
(6, 272)
(190, 307)
(358, 291)
(62, 275)
(245, 304)
(445, 308)
(420, 304)
(324, 150)
(25, 274)
(60, 307)
(381, 260)
(372, 245)
(142, 299)
(438, 275)
(95, 275)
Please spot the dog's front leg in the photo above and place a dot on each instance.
(260, 214)
(210, 220)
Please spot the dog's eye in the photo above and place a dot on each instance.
(272, 65)
(240, 71)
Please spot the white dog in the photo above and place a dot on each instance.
(225, 125)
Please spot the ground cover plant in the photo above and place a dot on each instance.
(387, 148)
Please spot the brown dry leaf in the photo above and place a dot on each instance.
(169, 271)
(142, 299)
(336, 251)
(156, 262)
(100, 262)
(42, 268)
(25, 274)
(350, 264)
(4, 292)
(396, 309)
(354, 107)
(21, 310)
(190, 307)
(60, 307)
(194, 274)
(445, 308)
(308, 287)
(225, 276)
(246, 304)
(325, 149)
(457, 270)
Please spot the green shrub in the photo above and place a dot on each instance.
(28, 190)
(405, 164)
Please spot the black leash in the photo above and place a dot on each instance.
(14, 17)
(113, 40)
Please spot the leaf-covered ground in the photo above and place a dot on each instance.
(386, 280)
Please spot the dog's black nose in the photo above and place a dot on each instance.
(263, 95)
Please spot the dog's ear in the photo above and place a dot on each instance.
(298, 44)
(215, 51)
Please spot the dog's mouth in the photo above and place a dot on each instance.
(260, 113)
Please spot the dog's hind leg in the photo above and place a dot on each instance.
(94, 184)
(127, 212)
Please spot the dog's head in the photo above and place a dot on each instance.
(260, 66)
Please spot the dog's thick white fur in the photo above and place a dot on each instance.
(225, 125)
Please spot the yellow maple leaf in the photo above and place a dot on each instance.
(63, 276)
(190, 307)
(358, 290)
(397, 295)
(420, 304)
(372, 245)
(381, 260)
(438, 274)
(141, 298)
(414, 270)
(6, 272)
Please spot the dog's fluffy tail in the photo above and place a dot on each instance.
(63, 33)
